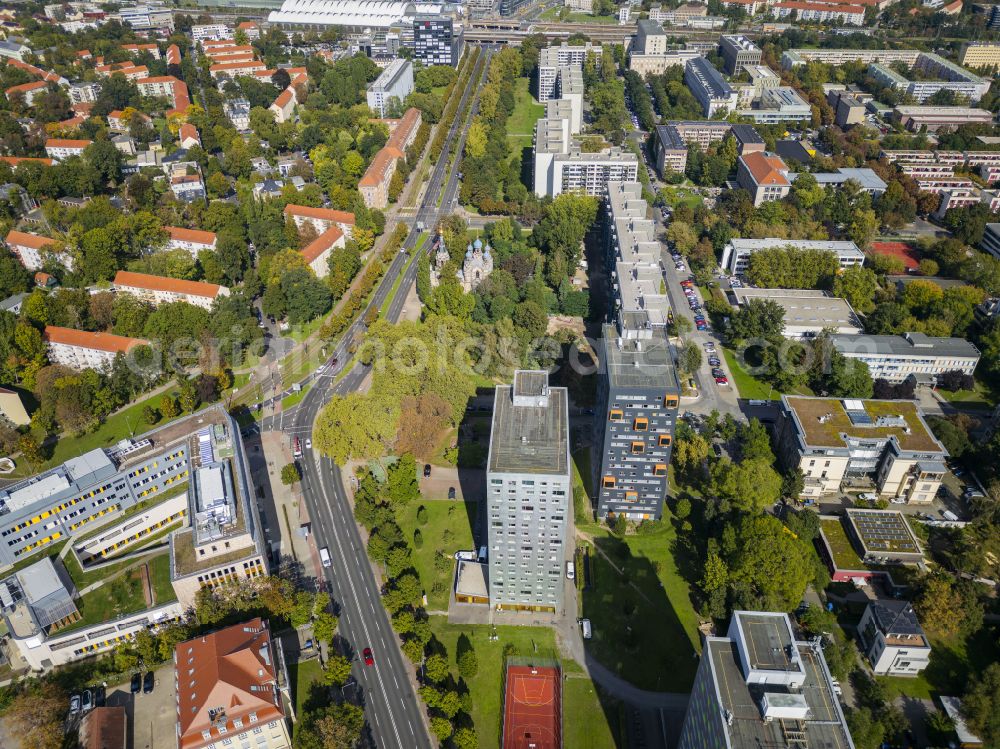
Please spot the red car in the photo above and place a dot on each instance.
(369, 658)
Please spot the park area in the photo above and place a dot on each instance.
(589, 722)
(521, 123)
(444, 527)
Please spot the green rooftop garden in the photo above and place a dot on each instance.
(844, 555)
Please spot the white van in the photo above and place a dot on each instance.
(585, 626)
(570, 571)
(949, 515)
(324, 556)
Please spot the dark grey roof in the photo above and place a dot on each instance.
(649, 27)
(896, 617)
(530, 438)
(907, 344)
(747, 134)
(710, 78)
(670, 138)
(639, 363)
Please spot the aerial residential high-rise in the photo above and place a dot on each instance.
(760, 687)
(435, 41)
(529, 495)
(639, 393)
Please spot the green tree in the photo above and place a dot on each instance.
(758, 318)
(981, 705)
(750, 485)
(436, 669)
(168, 406)
(465, 738)
(338, 670)
(689, 360)
(858, 285)
(768, 568)
(441, 728)
(289, 474)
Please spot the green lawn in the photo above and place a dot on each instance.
(527, 111)
(302, 676)
(552, 14)
(159, 578)
(121, 425)
(119, 597)
(295, 398)
(583, 713)
(647, 633)
(979, 397)
(448, 530)
(747, 386)
(953, 662)
(82, 579)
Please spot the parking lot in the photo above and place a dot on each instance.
(152, 718)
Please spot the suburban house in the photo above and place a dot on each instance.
(892, 638)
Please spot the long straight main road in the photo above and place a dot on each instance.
(393, 712)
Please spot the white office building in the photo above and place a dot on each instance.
(395, 82)
(898, 357)
(736, 255)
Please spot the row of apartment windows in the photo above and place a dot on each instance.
(659, 470)
(57, 509)
(144, 532)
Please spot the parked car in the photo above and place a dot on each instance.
(451, 492)
(100, 696)
(721, 381)
(74, 704)
(427, 470)
(136, 682)
(148, 682)
(868, 497)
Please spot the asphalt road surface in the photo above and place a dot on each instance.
(393, 711)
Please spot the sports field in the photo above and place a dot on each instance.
(532, 717)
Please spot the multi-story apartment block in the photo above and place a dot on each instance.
(28, 92)
(436, 41)
(193, 472)
(937, 74)
(231, 687)
(898, 357)
(892, 639)
(528, 494)
(738, 52)
(138, 49)
(374, 183)
(673, 139)
(820, 12)
(639, 395)
(736, 255)
(560, 164)
(758, 686)
(59, 149)
(80, 349)
(552, 59)
(764, 175)
(709, 87)
(580, 6)
(317, 253)
(321, 219)
(394, 83)
(839, 56)
(980, 55)
(159, 290)
(831, 440)
(283, 105)
(210, 31)
(33, 250)
(235, 69)
(192, 240)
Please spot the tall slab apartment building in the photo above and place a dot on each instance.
(639, 396)
(528, 494)
(638, 391)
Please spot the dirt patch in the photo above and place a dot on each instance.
(562, 322)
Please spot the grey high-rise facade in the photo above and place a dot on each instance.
(528, 494)
(638, 399)
(435, 41)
